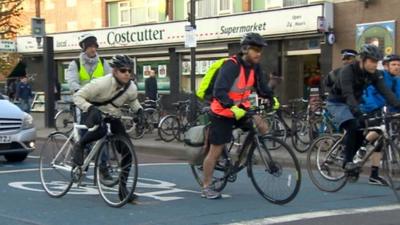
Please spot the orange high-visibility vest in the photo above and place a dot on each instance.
(239, 92)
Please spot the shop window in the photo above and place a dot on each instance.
(160, 67)
(124, 13)
(202, 66)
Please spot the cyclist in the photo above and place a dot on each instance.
(230, 102)
(99, 92)
(88, 66)
(373, 100)
(348, 57)
(344, 99)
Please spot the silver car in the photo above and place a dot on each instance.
(17, 132)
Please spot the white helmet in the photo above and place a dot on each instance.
(87, 40)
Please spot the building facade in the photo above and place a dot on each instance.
(300, 35)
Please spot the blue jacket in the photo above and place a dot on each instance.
(24, 91)
(373, 100)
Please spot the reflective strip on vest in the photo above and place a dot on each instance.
(85, 77)
(239, 93)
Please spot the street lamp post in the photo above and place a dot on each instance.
(192, 19)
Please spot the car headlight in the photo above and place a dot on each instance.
(27, 121)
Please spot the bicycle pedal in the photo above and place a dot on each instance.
(232, 178)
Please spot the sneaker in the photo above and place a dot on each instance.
(209, 193)
(378, 181)
(77, 155)
(350, 166)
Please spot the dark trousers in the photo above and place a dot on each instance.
(353, 139)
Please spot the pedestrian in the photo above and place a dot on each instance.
(11, 89)
(150, 85)
(24, 94)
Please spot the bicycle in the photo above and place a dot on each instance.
(326, 156)
(269, 170)
(65, 119)
(170, 127)
(114, 153)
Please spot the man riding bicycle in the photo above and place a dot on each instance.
(95, 99)
(344, 103)
(236, 79)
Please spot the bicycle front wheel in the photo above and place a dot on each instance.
(168, 128)
(300, 137)
(116, 171)
(324, 163)
(64, 121)
(275, 174)
(55, 164)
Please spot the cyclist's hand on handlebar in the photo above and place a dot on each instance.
(238, 112)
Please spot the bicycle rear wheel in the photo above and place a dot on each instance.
(118, 158)
(219, 180)
(64, 121)
(324, 163)
(275, 174)
(391, 165)
(55, 165)
(151, 119)
(168, 128)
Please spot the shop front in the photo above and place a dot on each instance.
(294, 48)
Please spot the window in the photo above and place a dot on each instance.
(204, 8)
(288, 3)
(145, 11)
(225, 7)
(124, 13)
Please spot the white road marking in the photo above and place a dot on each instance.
(92, 164)
(318, 214)
(33, 156)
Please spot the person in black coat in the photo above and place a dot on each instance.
(150, 86)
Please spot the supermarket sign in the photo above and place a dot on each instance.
(267, 23)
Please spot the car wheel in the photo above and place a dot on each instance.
(16, 157)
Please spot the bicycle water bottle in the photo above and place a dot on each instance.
(360, 154)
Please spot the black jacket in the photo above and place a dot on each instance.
(227, 75)
(352, 81)
(150, 88)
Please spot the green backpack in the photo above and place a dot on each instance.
(207, 83)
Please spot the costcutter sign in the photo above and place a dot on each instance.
(287, 21)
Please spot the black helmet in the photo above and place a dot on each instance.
(346, 53)
(254, 39)
(390, 58)
(121, 61)
(370, 51)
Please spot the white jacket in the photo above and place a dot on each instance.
(104, 89)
